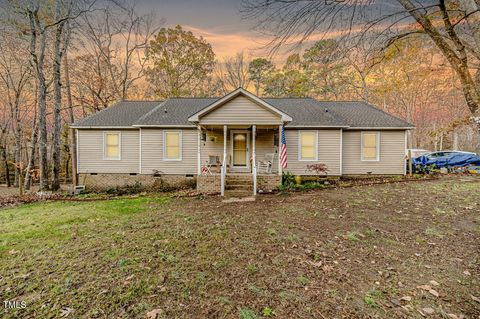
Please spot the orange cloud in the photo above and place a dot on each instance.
(252, 43)
(229, 44)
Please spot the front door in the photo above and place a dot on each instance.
(240, 149)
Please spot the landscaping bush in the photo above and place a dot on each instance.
(288, 181)
(126, 190)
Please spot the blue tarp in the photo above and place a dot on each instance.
(458, 160)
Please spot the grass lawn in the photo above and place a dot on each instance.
(386, 251)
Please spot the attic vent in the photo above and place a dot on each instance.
(165, 110)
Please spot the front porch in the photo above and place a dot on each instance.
(238, 159)
(238, 133)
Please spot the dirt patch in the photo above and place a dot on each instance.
(399, 250)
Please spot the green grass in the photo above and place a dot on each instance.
(307, 255)
(54, 221)
(246, 313)
(372, 298)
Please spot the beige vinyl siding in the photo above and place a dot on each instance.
(240, 110)
(328, 151)
(152, 152)
(91, 157)
(392, 153)
(214, 148)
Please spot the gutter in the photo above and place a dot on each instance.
(381, 128)
(104, 127)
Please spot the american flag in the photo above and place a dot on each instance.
(283, 150)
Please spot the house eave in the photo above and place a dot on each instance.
(316, 126)
(396, 128)
(83, 127)
(164, 125)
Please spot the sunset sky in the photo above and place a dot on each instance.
(218, 21)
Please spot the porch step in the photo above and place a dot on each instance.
(239, 186)
(238, 182)
(243, 177)
(237, 193)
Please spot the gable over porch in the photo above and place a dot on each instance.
(229, 131)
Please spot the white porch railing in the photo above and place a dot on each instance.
(223, 172)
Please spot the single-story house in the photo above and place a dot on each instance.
(234, 142)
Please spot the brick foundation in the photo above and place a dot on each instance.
(209, 184)
(268, 183)
(104, 182)
(205, 184)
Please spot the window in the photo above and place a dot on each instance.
(111, 149)
(307, 146)
(172, 150)
(370, 146)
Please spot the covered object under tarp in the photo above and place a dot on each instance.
(458, 160)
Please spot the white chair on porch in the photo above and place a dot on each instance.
(266, 165)
(212, 162)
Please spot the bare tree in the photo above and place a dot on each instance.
(449, 27)
(233, 72)
(38, 43)
(63, 12)
(15, 75)
(71, 118)
(115, 37)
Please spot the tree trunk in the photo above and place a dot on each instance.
(17, 155)
(477, 126)
(67, 167)
(477, 149)
(31, 160)
(455, 140)
(3, 153)
(42, 127)
(73, 139)
(38, 34)
(57, 80)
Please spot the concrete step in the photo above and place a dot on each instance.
(238, 193)
(239, 200)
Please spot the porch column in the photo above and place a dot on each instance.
(280, 170)
(224, 163)
(199, 158)
(254, 154)
(225, 145)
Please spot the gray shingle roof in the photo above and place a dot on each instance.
(361, 114)
(124, 113)
(304, 112)
(175, 111)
